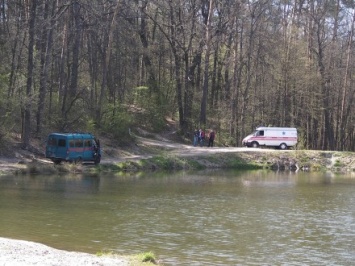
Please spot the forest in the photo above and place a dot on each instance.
(107, 66)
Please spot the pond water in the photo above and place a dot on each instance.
(189, 218)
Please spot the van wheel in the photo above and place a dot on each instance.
(78, 160)
(97, 160)
(283, 146)
(254, 144)
(57, 161)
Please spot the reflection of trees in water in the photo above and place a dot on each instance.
(55, 184)
(82, 184)
(285, 178)
(267, 178)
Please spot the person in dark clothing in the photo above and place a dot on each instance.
(211, 138)
(201, 138)
(196, 137)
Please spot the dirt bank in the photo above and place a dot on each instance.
(161, 153)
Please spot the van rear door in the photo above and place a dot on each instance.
(62, 149)
(56, 147)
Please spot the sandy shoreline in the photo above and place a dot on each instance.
(21, 253)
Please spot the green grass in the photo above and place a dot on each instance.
(104, 253)
(338, 163)
(166, 162)
(147, 257)
(142, 259)
(237, 163)
(193, 164)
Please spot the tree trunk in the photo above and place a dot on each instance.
(76, 34)
(46, 47)
(106, 63)
(26, 134)
(206, 66)
(346, 95)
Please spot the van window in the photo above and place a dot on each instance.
(52, 142)
(87, 143)
(260, 133)
(79, 143)
(61, 143)
(71, 143)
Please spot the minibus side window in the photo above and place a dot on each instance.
(52, 142)
(79, 143)
(87, 143)
(71, 143)
(260, 133)
(61, 143)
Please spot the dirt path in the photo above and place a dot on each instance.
(179, 149)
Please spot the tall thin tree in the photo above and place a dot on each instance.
(26, 133)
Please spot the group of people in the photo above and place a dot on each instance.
(200, 137)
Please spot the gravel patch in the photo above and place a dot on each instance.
(25, 253)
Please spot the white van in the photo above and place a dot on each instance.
(281, 137)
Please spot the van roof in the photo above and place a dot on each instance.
(276, 128)
(73, 135)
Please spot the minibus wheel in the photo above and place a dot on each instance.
(78, 160)
(254, 144)
(57, 161)
(283, 146)
(97, 160)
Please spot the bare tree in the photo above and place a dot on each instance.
(26, 133)
(48, 23)
(207, 11)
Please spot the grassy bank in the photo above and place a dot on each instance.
(248, 160)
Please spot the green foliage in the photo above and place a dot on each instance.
(104, 253)
(147, 257)
(91, 126)
(5, 125)
(228, 140)
(338, 163)
(7, 106)
(166, 162)
(151, 108)
(117, 122)
(241, 165)
(75, 117)
(4, 80)
(108, 168)
(194, 164)
(129, 166)
(155, 118)
(8, 123)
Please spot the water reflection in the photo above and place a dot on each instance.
(203, 218)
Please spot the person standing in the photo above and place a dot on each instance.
(196, 136)
(211, 138)
(202, 138)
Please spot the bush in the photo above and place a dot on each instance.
(118, 123)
